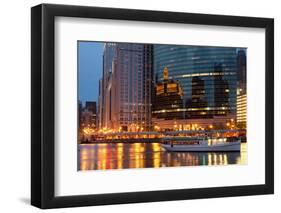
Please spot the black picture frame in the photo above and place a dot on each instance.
(43, 105)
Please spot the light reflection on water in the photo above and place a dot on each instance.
(144, 155)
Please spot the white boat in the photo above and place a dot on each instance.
(203, 145)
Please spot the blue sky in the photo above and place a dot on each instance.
(89, 69)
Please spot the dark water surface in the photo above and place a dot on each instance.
(150, 155)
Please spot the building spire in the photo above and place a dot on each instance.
(166, 74)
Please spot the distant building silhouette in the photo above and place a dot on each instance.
(221, 92)
(89, 114)
(241, 71)
(79, 117)
(196, 107)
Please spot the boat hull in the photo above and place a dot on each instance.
(225, 147)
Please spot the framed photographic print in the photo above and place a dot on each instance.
(139, 106)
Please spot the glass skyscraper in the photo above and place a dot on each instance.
(211, 71)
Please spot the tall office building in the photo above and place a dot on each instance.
(109, 51)
(216, 69)
(147, 84)
(241, 110)
(241, 89)
(100, 105)
(126, 89)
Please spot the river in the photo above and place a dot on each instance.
(150, 155)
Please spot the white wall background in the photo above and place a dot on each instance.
(15, 105)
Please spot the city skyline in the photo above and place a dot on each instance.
(160, 99)
(90, 54)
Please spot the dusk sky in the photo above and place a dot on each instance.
(89, 69)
